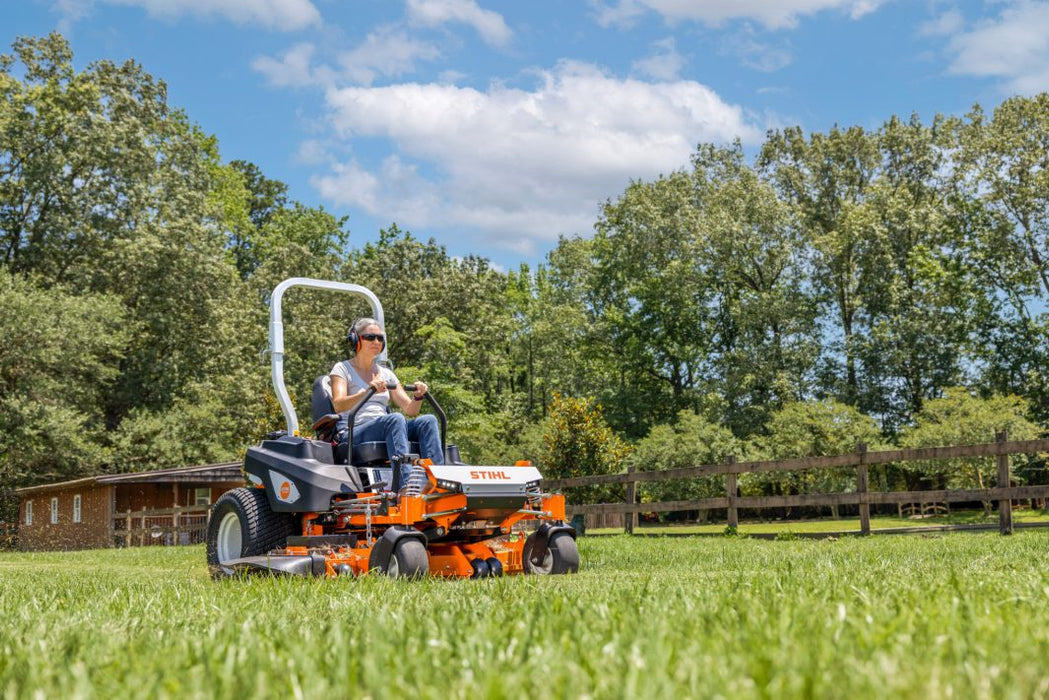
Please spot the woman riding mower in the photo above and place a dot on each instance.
(350, 381)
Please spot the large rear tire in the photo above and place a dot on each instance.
(409, 560)
(242, 525)
(562, 556)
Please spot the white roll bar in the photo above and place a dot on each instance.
(277, 335)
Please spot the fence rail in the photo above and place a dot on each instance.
(1004, 493)
(160, 526)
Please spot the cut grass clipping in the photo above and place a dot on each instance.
(960, 615)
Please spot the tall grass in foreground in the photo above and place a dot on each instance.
(956, 616)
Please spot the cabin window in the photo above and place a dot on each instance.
(202, 497)
(54, 511)
(28, 512)
(76, 508)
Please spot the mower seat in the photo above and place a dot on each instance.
(368, 453)
(325, 419)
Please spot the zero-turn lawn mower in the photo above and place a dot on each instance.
(316, 508)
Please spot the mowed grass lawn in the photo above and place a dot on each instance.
(953, 616)
(828, 525)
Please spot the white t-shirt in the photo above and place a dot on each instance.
(377, 404)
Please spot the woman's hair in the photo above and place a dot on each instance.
(360, 324)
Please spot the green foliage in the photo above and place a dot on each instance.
(816, 428)
(189, 432)
(691, 441)
(502, 437)
(959, 418)
(578, 442)
(811, 429)
(60, 357)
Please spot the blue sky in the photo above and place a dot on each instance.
(497, 126)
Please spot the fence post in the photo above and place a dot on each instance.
(127, 529)
(175, 519)
(730, 492)
(630, 518)
(862, 486)
(1005, 505)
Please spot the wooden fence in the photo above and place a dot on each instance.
(160, 527)
(1003, 492)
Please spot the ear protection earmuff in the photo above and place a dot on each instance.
(354, 340)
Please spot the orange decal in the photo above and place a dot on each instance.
(285, 490)
(489, 475)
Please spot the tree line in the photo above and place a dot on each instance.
(883, 286)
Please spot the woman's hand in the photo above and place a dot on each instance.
(408, 402)
(379, 384)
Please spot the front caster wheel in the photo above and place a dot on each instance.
(562, 556)
(409, 560)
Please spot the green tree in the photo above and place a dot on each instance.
(652, 302)
(1007, 159)
(691, 441)
(260, 200)
(1000, 207)
(826, 177)
(921, 304)
(959, 418)
(766, 336)
(576, 441)
(813, 429)
(60, 356)
(107, 189)
(552, 343)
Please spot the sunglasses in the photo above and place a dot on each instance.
(373, 336)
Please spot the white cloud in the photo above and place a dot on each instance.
(622, 15)
(1014, 47)
(70, 12)
(389, 52)
(283, 15)
(773, 14)
(386, 52)
(758, 55)
(520, 165)
(293, 68)
(664, 64)
(948, 23)
(490, 25)
(312, 152)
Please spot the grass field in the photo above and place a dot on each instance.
(879, 522)
(955, 616)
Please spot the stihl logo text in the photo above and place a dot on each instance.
(489, 475)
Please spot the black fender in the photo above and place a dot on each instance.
(543, 535)
(383, 548)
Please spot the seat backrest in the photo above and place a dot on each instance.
(320, 399)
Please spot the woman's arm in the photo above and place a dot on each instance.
(340, 399)
(409, 404)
